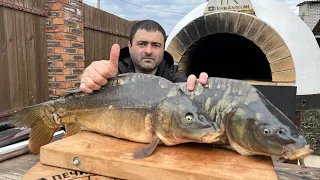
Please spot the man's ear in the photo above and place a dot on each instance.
(129, 46)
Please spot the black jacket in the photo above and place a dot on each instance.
(166, 69)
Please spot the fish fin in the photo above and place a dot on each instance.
(72, 129)
(71, 93)
(145, 151)
(41, 130)
(39, 136)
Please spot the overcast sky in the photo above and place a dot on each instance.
(166, 12)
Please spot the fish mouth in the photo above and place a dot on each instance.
(292, 152)
(211, 137)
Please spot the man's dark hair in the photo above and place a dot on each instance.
(148, 25)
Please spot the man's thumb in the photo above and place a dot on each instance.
(114, 54)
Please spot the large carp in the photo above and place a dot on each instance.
(137, 107)
(251, 124)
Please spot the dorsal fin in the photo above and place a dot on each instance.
(71, 92)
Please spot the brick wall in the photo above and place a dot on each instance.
(310, 13)
(65, 42)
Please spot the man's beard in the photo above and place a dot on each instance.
(143, 66)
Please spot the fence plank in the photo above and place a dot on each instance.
(31, 58)
(9, 1)
(107, 41)
(43, 71)
(37, 54)
(9, 18)
(4, 79)
(34, 4)
(88, 55)
(102, 30)
(18, 2)
(98, 37)
(41, 4)
(28, 3)
(89, 37)
(41, 67)
(22, 80)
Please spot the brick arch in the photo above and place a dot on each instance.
(245, 25)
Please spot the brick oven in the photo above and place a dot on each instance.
(261, 42)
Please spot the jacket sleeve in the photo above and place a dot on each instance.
(177, 76)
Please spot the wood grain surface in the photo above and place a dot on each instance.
(40, 171)
(112, 157)
(15, 168)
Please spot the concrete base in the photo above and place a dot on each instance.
(313, 161)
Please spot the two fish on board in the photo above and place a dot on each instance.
(225, 112)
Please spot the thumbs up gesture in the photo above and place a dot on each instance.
(97, 73)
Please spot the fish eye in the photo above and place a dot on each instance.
(189, 117)
(266, 132)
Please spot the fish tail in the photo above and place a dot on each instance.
(42, 127)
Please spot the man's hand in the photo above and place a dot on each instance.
(97, 73)
(192, 79)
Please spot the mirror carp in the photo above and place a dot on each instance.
(136, 107)
(252, 125)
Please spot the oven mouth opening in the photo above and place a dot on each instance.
(229, 56)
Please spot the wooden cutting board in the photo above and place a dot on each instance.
(112, 157)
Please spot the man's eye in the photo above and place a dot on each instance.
(141, 44)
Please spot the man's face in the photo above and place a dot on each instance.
(147, 50)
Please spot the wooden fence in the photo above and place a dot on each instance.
(23, 48)
(23, 61)
(103, 29)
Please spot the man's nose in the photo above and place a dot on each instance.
(148, 49)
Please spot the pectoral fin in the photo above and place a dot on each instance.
(72, 129)
(145, 151)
